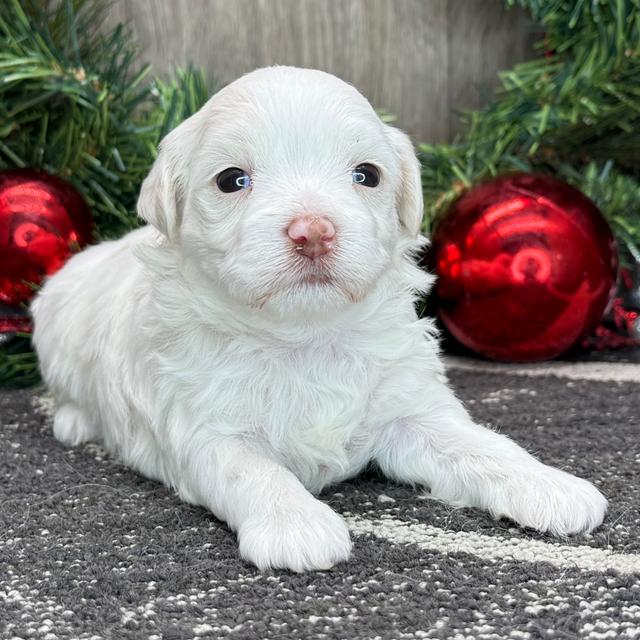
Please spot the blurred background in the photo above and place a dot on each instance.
(421, 60)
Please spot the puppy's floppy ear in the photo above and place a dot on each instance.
(162, 192)
(409, 200)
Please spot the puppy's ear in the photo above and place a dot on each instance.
(409, 200)
(162, 192)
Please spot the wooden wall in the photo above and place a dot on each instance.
(418, 59)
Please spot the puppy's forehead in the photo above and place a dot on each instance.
(294, 87)
(299, 100)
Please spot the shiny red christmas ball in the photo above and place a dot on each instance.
(43, 220)
(526, 265)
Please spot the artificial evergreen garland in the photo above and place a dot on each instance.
(574, 112)
(73, 102)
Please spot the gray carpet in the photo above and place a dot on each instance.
(90, 550)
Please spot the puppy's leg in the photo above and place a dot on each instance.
(72, 426)
(467, 465)
(278, 522)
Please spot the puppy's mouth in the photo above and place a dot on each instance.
(319, 275)
(314, 278)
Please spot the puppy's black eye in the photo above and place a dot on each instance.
(233, 179)
(367, 175)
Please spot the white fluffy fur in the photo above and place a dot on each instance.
(206, 353)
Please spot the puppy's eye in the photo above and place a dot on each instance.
(233, 179)
(367, 175)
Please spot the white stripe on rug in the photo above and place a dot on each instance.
(601, 371)
(495, 547)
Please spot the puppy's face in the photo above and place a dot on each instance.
(287, 190)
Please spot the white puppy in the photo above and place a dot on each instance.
(257, 341)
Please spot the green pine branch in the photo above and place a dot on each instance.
(574, 112)
(75, 102)
(18, 363)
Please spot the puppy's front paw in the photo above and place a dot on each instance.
(553, 501)
(299, 537)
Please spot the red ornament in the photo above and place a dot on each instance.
(526, 265)
(43, 220)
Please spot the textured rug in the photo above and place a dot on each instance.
(90, 550)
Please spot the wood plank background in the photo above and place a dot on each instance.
(418, 59)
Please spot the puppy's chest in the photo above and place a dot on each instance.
(311, 401)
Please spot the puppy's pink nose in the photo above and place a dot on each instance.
(313, 235)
